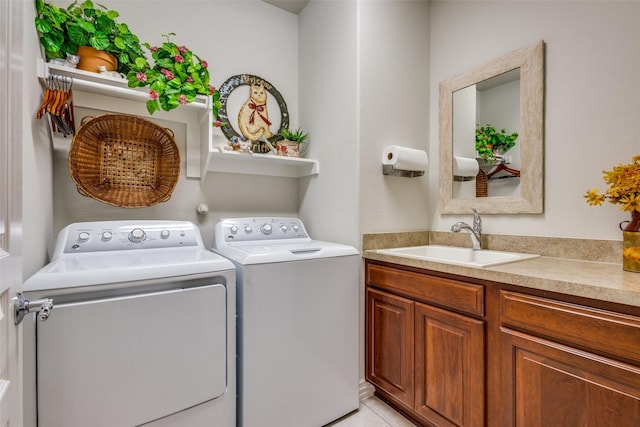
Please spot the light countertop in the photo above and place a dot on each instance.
(603, 281)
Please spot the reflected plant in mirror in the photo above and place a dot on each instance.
(484, 113)
(491, 143)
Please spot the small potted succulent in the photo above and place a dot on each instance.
(82, 29)
(291, 144)
(491, 143)
(176, 77)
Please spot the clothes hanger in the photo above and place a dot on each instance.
(502, 166)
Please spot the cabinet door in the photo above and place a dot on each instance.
(548, 384)
(449, 361)
(390, 344)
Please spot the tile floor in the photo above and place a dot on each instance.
(373, 413)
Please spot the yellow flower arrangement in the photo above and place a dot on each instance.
(624, 187)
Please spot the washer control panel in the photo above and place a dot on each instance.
(257, 229)
(123, 235)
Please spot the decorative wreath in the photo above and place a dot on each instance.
(243, 80)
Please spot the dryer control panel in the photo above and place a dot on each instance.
(260, 229)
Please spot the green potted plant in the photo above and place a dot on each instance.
(66, 30)
(490, 142)
(177, 76)
(290, 145)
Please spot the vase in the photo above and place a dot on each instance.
(90, 58)
(631, 243)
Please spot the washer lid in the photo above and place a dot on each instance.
(101, 268)
(264, 252)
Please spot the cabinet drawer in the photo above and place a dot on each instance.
(465, 297)
(600, 330)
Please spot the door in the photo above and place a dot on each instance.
(550, 384)
(449, 367)
(390, 344)
(159, 353)
(11, 20)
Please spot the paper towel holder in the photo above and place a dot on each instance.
(392, 166)
(392, 171)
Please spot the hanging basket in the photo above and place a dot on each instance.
(124, 160)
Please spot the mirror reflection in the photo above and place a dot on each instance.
(491, 136)
(486, 120)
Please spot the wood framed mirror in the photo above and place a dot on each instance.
(527, 64)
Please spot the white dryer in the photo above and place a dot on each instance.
(138, 333)
(297, 325)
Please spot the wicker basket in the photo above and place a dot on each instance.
(124, 161)
(481, 184)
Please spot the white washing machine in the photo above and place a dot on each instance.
(297, 325)
(141, 331)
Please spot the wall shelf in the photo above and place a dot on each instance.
(260, 164)
(111, 94)
(102, 84)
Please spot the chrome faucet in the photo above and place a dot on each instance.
(475, 232)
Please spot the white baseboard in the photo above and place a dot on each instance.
(366, 390)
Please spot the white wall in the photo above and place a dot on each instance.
(394, 110)
(328, 109)
(592, 99)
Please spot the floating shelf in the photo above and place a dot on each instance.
(108, 93)
(260, 164)
(104, 84)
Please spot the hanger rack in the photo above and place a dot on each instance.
(57, 102)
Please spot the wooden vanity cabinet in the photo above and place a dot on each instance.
(566, 364)
(448, 352)
(425, 354)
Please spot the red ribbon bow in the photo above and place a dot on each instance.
(259, 109)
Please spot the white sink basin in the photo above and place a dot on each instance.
(458, 256)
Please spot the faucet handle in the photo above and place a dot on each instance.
(477, 221)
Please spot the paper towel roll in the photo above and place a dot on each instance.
(404, 158)
(465, 167)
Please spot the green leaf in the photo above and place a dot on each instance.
(123, 29)
(105, 24)
(112, 14)
(140, 62)
(132, 80)
(99, 41)
(77, 35)
(43, 26)
(124, 58)
(69, 47)
(119, 43)
(158, 86)
(87, 26)
(169, 102)
(165, 63)
(174, 83)
(188, 90)
(49, 43)
(152, 106)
